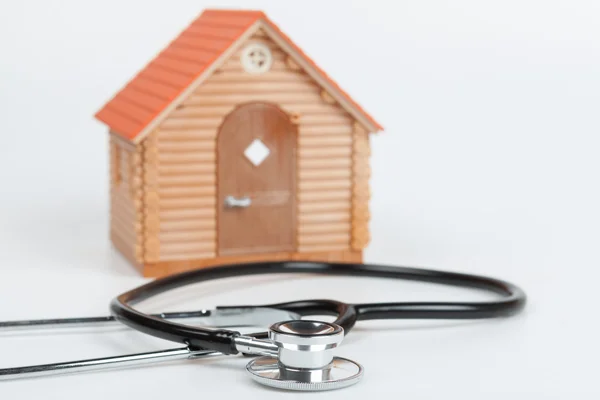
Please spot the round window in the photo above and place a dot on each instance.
(256, 58)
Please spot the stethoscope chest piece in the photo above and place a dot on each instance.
(305, 360)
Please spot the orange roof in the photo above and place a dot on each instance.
(176, 67)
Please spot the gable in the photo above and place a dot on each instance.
(190, 59)
(182, 152)
(203, 109)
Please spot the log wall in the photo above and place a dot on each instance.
(126, 202)
(183, 170)
(361, 173)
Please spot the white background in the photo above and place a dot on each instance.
(488, 164)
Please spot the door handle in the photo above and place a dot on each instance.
(241, 202)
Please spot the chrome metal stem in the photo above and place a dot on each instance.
(221, 317)
(97, 364)
(89, 321)
(250, 345)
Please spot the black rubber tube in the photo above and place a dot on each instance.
(512, 301)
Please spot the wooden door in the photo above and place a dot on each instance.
(256, 181)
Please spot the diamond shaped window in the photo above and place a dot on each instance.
(257, 152)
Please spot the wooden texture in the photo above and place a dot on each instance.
(186, 158)
(125, 250)
(360, 188)
(151, 199)
(126, 230)
(268, 224)
(166, 268)
(337, 96)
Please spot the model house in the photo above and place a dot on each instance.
(232, 145)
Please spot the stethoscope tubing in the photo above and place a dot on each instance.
(222, 340)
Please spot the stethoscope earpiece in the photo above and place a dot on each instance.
(305, 359)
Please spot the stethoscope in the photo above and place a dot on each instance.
(295, 353)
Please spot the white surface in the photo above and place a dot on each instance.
(489, 165)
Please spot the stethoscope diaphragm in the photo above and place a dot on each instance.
(305, 360)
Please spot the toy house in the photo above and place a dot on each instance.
(231, 145)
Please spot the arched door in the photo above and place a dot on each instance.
(256, 181)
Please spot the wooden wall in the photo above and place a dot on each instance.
(126, 228)
(184, 151)
(361, 193)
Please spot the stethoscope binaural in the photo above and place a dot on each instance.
(295, 353)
